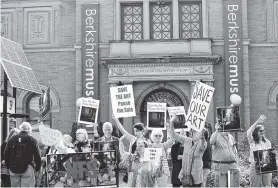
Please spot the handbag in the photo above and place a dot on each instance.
(125, 178)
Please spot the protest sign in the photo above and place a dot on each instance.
(88, 112)
(91, 169)
(123, 101)
(228, 118)
(152, 154)
(49, 137)
(179, 122)
(199, 106)
(156, 115)
(265, 161)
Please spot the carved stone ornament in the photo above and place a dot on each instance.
(202, 69)
(6, 25)
(119, 71)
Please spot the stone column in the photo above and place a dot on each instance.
(118, 21)
(146, 19)
(192, 85)
(176, 24)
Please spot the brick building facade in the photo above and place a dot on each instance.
(161, 47)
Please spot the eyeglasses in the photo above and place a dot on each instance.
(261, 131)
(158, 135)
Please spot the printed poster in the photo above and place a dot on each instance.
(199, 106)
(265, 161)
(179, 122)
(123, 101)
(88, 112)
(91, 169)
(156, 115)
(228, 117)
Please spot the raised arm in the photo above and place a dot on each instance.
(214, 135)
(252, 128)
(203, 145)
(127, 135)
(122, 150)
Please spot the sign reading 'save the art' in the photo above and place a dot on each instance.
(122, 101)
(232, 23)
(199, 106)
(152, 154)
(90, 33)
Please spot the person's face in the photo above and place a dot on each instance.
(137, 132)
(107, 130)
(157, 138)
(261, 132)
(140, 147)
(86, 148)
(80, 137)
(196, 136)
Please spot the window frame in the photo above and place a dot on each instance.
(181, 3)
(151, 20)
(122, 20)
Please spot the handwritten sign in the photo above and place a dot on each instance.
(49, 137)
(152, 154)
(199, 106)
(123, 101)
(156, 115)
(181, 115)
(88, 112)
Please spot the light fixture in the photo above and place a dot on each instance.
(160, 2)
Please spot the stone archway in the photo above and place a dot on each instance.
(164, 93)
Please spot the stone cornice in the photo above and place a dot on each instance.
(160, 61)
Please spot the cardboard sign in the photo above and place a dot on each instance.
(156, 115)
(91, 169)
(88, 112)
(265, 161)
(199, 106)
(152, 154)
(49, 137)
(123, 101)
(10, 105)
(228, 117)
(179, 122)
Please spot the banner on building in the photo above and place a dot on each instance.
(232, 21)
(88, 111)
(92, 169)
(199, 106)
(123, 101)
(265, 161)
(10, 105)
(44, 105)
(152, 154)
(90, 34)
(156, 115)
(179, 122)
(49, 137)
(228, 118)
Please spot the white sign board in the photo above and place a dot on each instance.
(199, 106)
(152, 154)
(156, 115)
(123, 101)
(10, 105)
(49, 137)
(88, 111)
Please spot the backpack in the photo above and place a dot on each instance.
(18, 163)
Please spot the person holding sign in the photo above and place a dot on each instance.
(224, 156)
(82, 143)
(157, 137)
(191, 173)
(142, 173)
(258, 141)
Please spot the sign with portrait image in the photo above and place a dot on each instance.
(88, 111)
(156, 115)
(265, 161)
(179, 122)
(228, 118)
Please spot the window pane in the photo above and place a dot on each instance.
(132, 22)
(190, 18)
(161, 24)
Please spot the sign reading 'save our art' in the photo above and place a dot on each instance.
(88, 112)
(122, 101)
(199, 106)
(90, 33)
(152, 154)
(49, 137)
(232, 25)
(156, 115)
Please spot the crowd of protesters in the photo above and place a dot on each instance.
(193, 155)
